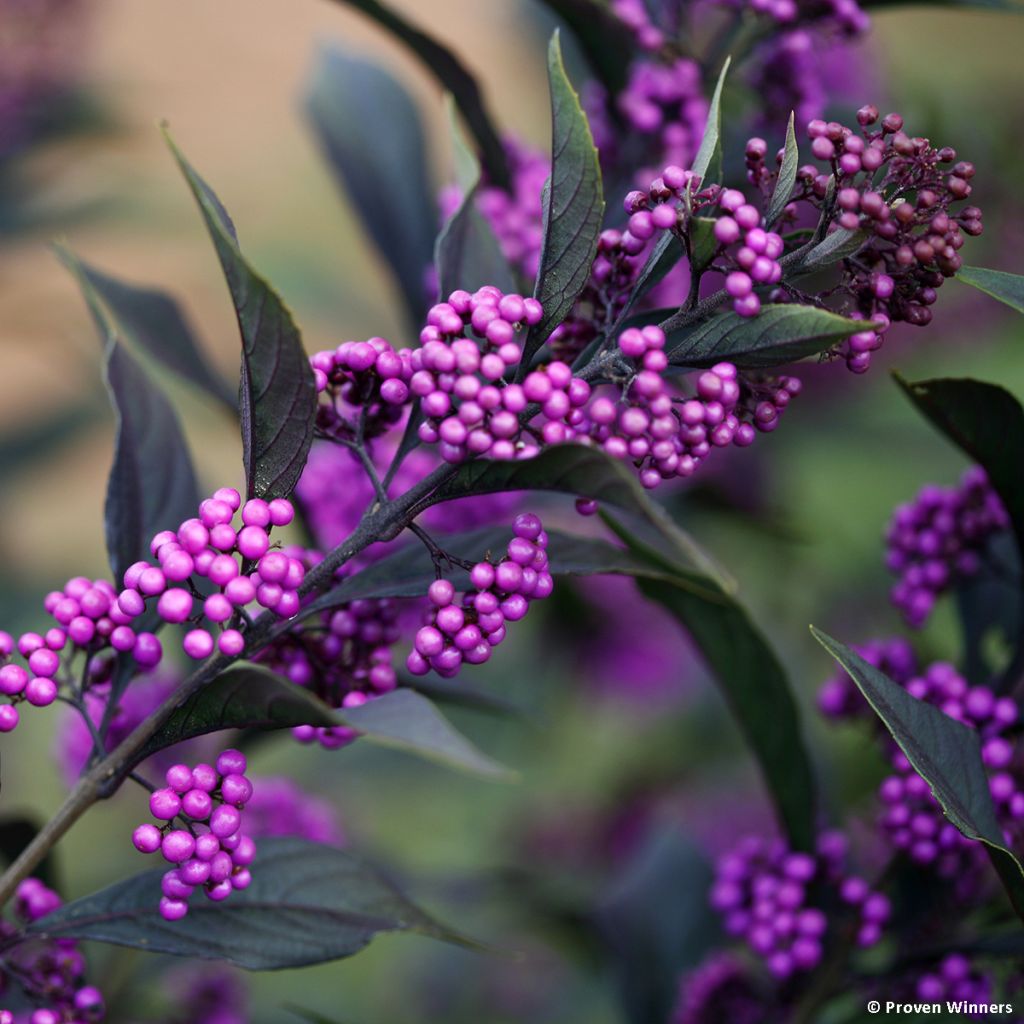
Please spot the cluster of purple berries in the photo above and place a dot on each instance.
(954, 979)
(50, 971)
(210, 850)
(237, 559)
(668, 437)
(762, 890)
(938, 539)
(720, 991)
(466, 630)
(468, 407)
(367, 386)
(635, 16)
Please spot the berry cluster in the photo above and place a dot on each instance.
(468, 629)
(762, 890)
(49, 971)
(238, 560)
(719, 991)
(666, 436)
(955, 980)
(367, 386)
(468, 407)
(939, 539)
(634, 15)
(210, 850)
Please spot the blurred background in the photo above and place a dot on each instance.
(626, 755)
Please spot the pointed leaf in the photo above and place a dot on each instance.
(987, 423)
(573, 207)
(944, 752)
(1007, 288)
(152, 485)
(787, 176)
(156, 322)
(277, 393)
(710, 151)
(406, 720)
(779, 334)
(452, 75)
(308, 903)
(839, 245)
(368, 128)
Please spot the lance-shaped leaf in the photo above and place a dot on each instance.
(779, 334)
(837, 246)
(600, 36)
(787, 176)
(1007, 288)
(248, 696)
(453, 77)
(156, 322)
(308, 904)
(987, 423)
(709, 155)
(277, 396)
(467, 254)
(368, 126)
(152, 485)
(573, 207)
(944, 752)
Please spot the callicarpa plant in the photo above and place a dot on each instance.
(587, 329)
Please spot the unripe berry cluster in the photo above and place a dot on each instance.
(762, 889)
(210, 850)
(49, 971)
(667, 436)
(939, 539)
(236, 558)
(468, 407)
(366, 384)
(467, 629)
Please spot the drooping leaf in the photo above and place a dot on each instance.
(16, 832)
(944, 752)
(987, 423)
(308, 903)
(648, 948)
(1007, 288)
(573, 207)
(277, 396)
(452, 75)
(600, 36)
(371, 134)
(246, 696)
(467, 254)
(787, 176)
(779, 334)
(709, 155)
(755, 686)
(156, 322)
(152, 485)
(585, 472)
(406, 720)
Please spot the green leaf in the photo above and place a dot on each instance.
(648, 948)
(585, 472)
(452, 75)
(278, 392)
(406, 720)
(467, 254)
(246, 696)
(703, 244)
(787, 176)
(944, 752)
(779, 334)
(308, 904)
(371, 133)
(710, 151)
(152, 485)
(987, 423)
(156, 322)
(601, 37)
(755, 685)
(839, 245)
(573, 207)
(1007, 288)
